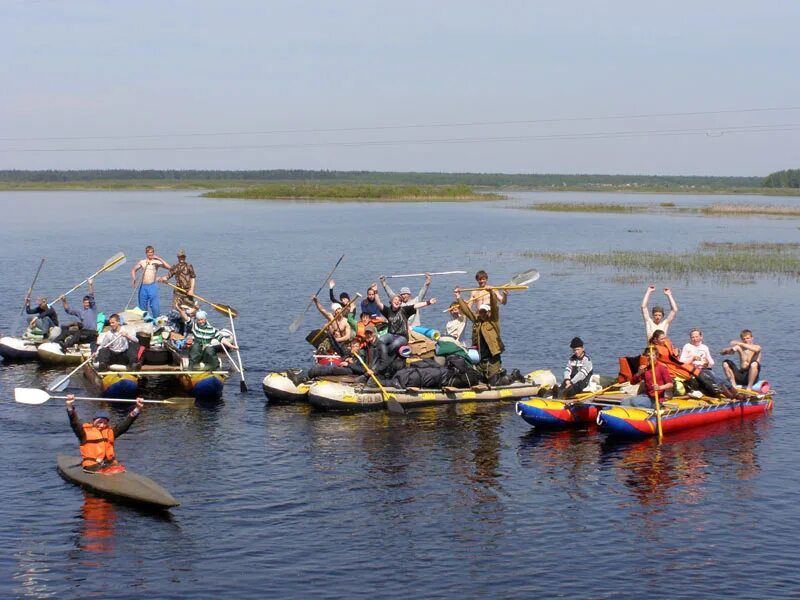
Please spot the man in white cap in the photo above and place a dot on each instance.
(200, 335)
(184, 275)
(485, 333)
(406, 299)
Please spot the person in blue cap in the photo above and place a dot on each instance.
(97, 438)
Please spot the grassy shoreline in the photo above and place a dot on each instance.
(716, 209)
(365, 192)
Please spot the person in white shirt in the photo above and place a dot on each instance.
(118, 346)
(658, 321)
(696, 352)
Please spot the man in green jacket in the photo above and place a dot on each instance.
(485, 333)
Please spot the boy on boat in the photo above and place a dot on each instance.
(97, 438)
(185, 278)
(577, 373)
(118, 346)
(406, 299)
(696, 352)
(397, 317)
(457, 322)
(85, 331)
(47, 318)
(339, 329)
(749, 360)
(199, 340)
(479, 297)
(148, 290)
(344, 300)
(485, 333)
(663, 383)
(658, 321)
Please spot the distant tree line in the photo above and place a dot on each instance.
(388, 178)
(790, 178)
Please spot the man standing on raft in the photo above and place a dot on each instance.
(148, 290)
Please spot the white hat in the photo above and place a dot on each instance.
(485, 307)
(336, 306)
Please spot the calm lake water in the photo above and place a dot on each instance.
(465, 501)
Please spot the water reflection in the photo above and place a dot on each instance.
(96, 534)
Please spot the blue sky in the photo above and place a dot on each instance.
(401, 86)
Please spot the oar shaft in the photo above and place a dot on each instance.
(105, 267)
(655, 393)
(423, 274)
(336, 315)
(502, 288)
(90, 399)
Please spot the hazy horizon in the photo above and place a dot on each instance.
(450, 87)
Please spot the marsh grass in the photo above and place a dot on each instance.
(751, 209)
(392, 193)
(735, 262)
(732, 210)
(587, 207)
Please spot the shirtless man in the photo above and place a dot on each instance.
(749, 359)
(148, 290)
(658, 321)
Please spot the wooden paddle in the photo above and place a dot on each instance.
(655, 393)
(112, 263)
(36, 396)
(395, 408)
(507, 287)
(294, 325)
(221, 308)
(336, 315)
(28, 296)
(583, 399)
(423, 274)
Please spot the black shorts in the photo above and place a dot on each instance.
(740, 376)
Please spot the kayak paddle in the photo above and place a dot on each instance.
(294, 325)
(36, 396)
(111, 264)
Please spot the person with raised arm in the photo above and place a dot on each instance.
(148, 290)
(405, 296)
(658, 321)
(485, 333)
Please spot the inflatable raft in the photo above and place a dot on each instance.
(280, 389)
(329, 395)
(51, 353)
(127, 487)
(678, 414)
(17, 348)
(547, 413)
(112, 384)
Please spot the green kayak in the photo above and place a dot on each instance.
(127, 487)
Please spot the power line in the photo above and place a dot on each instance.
(702, 131)
(400, 127)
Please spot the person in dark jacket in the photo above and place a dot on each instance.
(46, 318)
(97, 438)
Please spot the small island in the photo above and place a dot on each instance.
(359, 193)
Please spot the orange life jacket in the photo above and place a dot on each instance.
(99, 445)
(665, 354)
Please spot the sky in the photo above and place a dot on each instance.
(678, 88)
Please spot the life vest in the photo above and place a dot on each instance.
(98, 447)
(665, 354)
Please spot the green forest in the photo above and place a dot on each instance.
(222, 178)
(789, 178)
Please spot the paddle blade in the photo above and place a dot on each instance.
(242, 386)
(395, 408)
(177, 402)
(295, 325)
(30, 396)
(525, 278)
(59, 384)
(226, 310)
(112, 263)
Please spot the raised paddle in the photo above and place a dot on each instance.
(28, 295)
(423, 274)
(655, 393)
(130, 299)
(294, 325)
(112, 263)
(336, 315)
(221, 308)
(395, 408)
(36, 396)
(583, 399)
(506, 288)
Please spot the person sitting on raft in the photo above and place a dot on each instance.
(97, 438)
(485, 333)
(85, 331)
(663, 383)
(658, 321)
(118, 346)
(479, 297)
(201, 334)
(697, 378)
(47, 318)
(406, 299)
(749, 358)
(369, 304)
(577, 373)
(397, 317)
(339, 329)
(696, 352)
